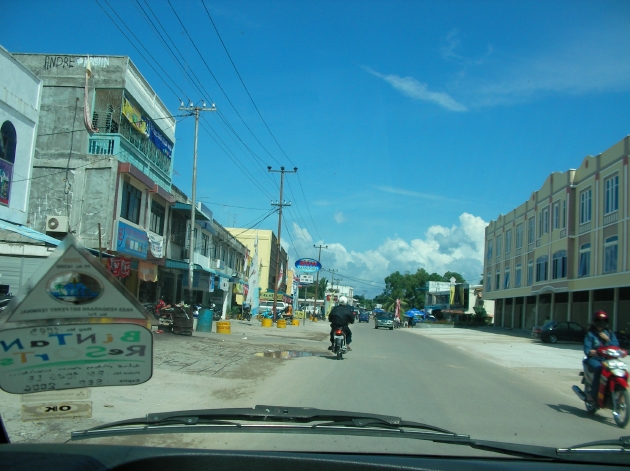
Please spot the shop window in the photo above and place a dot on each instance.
(205, 244)
(498, 242)
(488, 280)
(506, 278)
(489, 251)
(556, 216)
(584, 268)
(531, 230)
(157, 218)
(610, 254)
(131, 202)
(530, 272)
(8, 145)
(508, 241)
(497, 281)
(559, 264)
(519, 236)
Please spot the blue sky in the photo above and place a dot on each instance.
(412, 123)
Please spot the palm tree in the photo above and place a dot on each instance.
(390, 303)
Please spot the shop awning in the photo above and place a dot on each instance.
(25, 231)
(184, 209)
(181, 265)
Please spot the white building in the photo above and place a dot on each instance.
(20, 99)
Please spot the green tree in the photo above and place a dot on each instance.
(451, 274)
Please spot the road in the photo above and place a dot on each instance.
(443, 378)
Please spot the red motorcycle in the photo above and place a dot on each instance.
(613, 385)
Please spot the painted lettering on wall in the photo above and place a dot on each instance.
(94, 61)
(56, 62)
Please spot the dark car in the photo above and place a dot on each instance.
(553, 331)
(364, 316)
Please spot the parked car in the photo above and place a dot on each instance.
(364, 316)
(4, 302)
(384, 319)
(553, 331)
(536, 331)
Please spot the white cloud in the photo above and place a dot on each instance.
(415, 194)
(458, 248)
(339, 217)
(412, 88)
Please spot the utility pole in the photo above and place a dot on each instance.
(193, 110)
(320, 247)
(280, 205)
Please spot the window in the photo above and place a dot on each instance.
(564, 214)
(8, 145)
(157, 218)
(610, 254)
(489, 251)
(559, 265)
(131, 200)
(531, 230)
(497, 281)
(498, 246)
(519, 236)
(543, 223)
(584, 269)
(530, 272)
(542, 265)
(556, 216)
(517, 276)
(205, 244)
(178, 229)
(508, 241)
(585, 206)
(489, 280)
(611, 195)
(506, 278)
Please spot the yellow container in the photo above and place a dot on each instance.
(267, 322)
(224, 327)
(281, 324)
(295, 322)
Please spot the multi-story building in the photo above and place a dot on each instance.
(21, 249)
(103, 161)
(267, 256)
(564, 253)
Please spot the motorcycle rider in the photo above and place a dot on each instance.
(340, 316)
(597, 336)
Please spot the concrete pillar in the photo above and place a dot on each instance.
(553, 302)
(513, 308)
(503, 314)
(590, 305)
(524, 312)
(536, 310)
(569, 306)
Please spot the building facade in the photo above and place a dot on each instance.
(20, 100)
(564, 253)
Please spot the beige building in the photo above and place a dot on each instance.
(564, 254)
(267, 250)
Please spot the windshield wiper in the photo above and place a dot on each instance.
(305, 420)
(622, 445)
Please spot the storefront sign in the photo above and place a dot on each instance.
(148, 271)
(306, 279)
(308, 265)
(132, 241)
(156, 244)
(35, 359)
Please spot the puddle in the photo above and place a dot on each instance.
(287, 354)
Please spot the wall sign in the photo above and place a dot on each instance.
(132, 241)
(308, 265)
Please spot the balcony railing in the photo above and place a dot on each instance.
(610, 218)
(586, 227)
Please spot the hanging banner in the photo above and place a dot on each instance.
(125, 267)
(147, 271)
(156, 244)
(158, 139)
(134, 117)
(6, 174)
(114, 266)
(224, 284)
(132, 241)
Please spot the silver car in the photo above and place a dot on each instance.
(384, 319)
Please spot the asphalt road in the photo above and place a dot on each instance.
(422, 379)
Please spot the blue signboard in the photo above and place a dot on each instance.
(308, 265)
(132, 241)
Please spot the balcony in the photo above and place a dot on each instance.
(586, 227)
(610, 218)
(156, 167)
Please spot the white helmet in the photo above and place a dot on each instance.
(343, 300)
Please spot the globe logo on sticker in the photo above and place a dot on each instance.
(74, 288)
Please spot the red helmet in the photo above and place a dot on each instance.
(600, 317)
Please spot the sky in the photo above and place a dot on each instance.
(412, 123)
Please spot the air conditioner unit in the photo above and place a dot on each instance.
(57, 224)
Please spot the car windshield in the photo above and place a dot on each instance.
(169, 169)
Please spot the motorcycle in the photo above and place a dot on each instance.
(266, 314)
(339, 343)
(613, 385)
